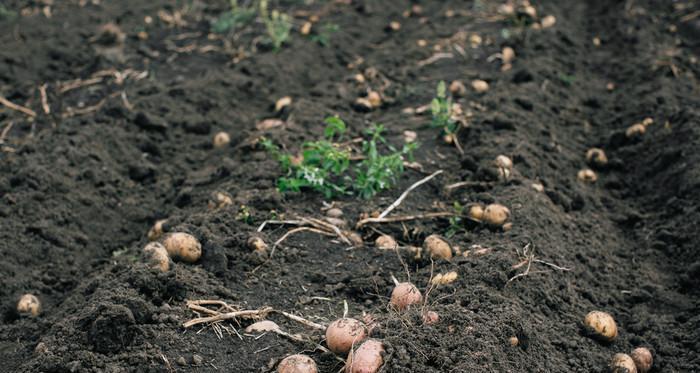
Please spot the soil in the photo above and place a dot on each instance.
(81, 185)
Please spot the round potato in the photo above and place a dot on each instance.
(496, 215)
(437, 247)
(297, 364)
(343, 334)
(29, 304)
(157, 255)
(601, 324)
(622, 363)
(183, 246)
(404, 295)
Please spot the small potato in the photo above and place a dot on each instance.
(362, 104)
(480, 86)
(444, 278)
(221, 139)
(386, 242)
(157, 255)
(635, 131)
(548, 21)
(587, 175)
(642, 358)
(507, 54)
(596, 157)
(297, 364)
(219, 200)
(431, 317)
(340, 223)
(366, 359)
(29, 304)
(156, 230)
(437, 247)
(257, 244)
(410, 136)
(530, 11)
(476, 212)
(457, 88)
(183, 246)
(404, 295)
(375, 100)
(394, 26)
(355, 238)
(601, 324)
(262, 326)
(282, 103)
(622, 363)
(343, 334)
(334, 213)
(306, 28)
(496, 215)
(504, 165)
(514, 341)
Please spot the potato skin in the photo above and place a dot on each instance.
(157, 256)
(183, 246)
(437, 247)
(29, 304)
(386, 242)
(297, 364)
(601, 324)
(366, 359)
(404, 295)
(642, 359)
(622, 363)
(496, 215)
(344, 333)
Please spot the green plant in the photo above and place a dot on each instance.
(324, 36)
(6, 14)
(244, 215)
(278, 25)
(234, 18)
(441, 110)
(325, 166)
(455, 220)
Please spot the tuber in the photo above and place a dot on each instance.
(297, 364)
(601, 324)
(343, 334)
(157, 256)
(496, 215)
(29, 304)
(404, 295)
(437, 247)
(642, 359)
(365, 359)
(183, 246)
(622, 363)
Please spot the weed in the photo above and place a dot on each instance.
(244, 215)
(325, 166)
(456, 220)
(236, 17)
(278, 25)
(324, 36)
(568, 80)
(441, 110)
(6, 14)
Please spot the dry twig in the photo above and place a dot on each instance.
(429, 215)
(5, 102)
(404, 194)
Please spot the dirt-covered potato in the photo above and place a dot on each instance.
(183, 246)
(476, 212)
(262, 326)
(431, 317)
(29, 304)
(375, 100)
(334, 213)
(596, 157)
(156, 230)
(635, 131)
(504, 166)
(642, 358)
(404, 295)
(480, 86)
(437, 247)
(221, 139)
(256, 243)
(219, 200)
(587, 175)
(367, 358)
(601, 324)
(622, 363)
(157, 256)
(496, 215)
(297, 364)
(386, 242)
(457, 88)
(343, 334)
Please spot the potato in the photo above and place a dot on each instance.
(410, 136)
(444, 278)
(386, 242)
(404, 295)
(343, 334)
(601, 324)
(29, 304)
(334, 213)
(596, 157)
(642, 359)
(635, 131)
(496, 215)
(437, 247)
(476, 212)
(548, 21)
(297, 364)
(587, 175)
(622, 363)
(457, 88)
(504, 166)
(257, 244)
(366, 359)
(374, 99)
(340, 223)
(262, 326)
(514, 341)
(157, 256)
(507, 54)
(355, 238)
(480, 86)
(221, 139)
(183, 246)
(431, 317)
(394, 26)
(156, 230)
(219, 200)
(282, 103)
(306, 28)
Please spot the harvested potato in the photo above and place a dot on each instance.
(496, 215)
(334, 213)
(375, 100)
(221, 139)
(548, 21)
(480, 86)
(444, 278)
(504, 165)
(156, 230)
(297, 364)
(476, 212)
(410, 136)
(354, 237)
(622, 363)
(343, 334)
(257, 244)
(587, 175)
(183, 246)
(157, 256)
(29, 304)
(596, 157)
(306, 28)
(601, 324)
(394, 26)
(514, 341)
(507, 55)
(404, 295)
(219, 200)
(282, 103)
(538, 187)
(363, 104)
(642, 359)
(431, 317)
(386, 242)
(263, 326)
(366, 359)
(457, 88)
(635, 131)
(437, 247)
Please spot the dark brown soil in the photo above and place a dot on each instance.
(81, 186)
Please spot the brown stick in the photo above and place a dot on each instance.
(228, 316)
(5, 102)
(409, 190)
(429, 215)
(44, 99)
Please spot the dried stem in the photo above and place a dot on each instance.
(429, 215)
(409, 190)
(5, 102)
